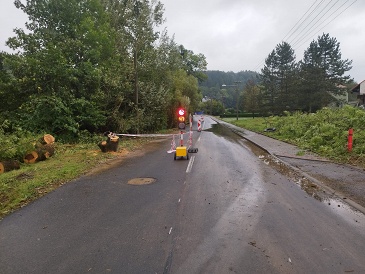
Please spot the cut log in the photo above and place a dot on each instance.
(40, 154)
(6, 166)
(31, 157)
(48, 150)
(47, 139)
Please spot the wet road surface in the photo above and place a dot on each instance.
(230, 209)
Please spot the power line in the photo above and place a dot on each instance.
(308, 16)
(263, 62)
(320, 27)
(316, 25)
(300, 33)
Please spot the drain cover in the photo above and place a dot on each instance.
(141, 181)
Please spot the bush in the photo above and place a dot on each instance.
(14, 146)
(324, 132)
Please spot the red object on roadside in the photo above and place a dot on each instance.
(349, 139)
(199, 126)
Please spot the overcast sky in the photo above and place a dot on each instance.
(236, 35)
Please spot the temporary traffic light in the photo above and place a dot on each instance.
(181, 118)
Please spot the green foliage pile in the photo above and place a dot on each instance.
(14, 146)
(324, 132)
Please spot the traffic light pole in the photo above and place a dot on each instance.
(181, 138)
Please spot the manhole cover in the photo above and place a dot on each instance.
(141, 181)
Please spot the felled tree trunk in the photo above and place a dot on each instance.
(41, 153)
(6, 166)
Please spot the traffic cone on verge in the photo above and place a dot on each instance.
(199, 126)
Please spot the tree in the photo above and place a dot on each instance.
(322, 71)
(286, 74)
(251, 94)
(62, 56)
(277, 78)
(96, 65)
(194, 64)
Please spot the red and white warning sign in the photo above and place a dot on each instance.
(199, 126)
(190, 139)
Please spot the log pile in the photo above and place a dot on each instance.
(43, 149)
(111, 144)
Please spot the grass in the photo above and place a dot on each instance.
(32, 181)
(298, 131)
(257, 124)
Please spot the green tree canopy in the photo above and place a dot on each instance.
(322, 71)
(277, 78)
(96, 65)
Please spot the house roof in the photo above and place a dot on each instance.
(357, 87)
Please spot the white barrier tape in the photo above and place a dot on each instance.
(146, 135)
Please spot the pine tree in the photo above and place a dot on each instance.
(277, 77)
(322, 71)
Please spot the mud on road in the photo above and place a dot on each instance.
(346, 181)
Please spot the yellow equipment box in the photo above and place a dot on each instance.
(181, 151)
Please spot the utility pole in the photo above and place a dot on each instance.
(236, 86)
(238, 97)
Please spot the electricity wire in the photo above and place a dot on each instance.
(302, 30)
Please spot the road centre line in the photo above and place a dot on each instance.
(190, 165)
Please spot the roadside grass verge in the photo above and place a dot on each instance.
(324, 133)
(32, 181)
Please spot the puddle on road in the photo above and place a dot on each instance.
(312, 189)
(222, 131)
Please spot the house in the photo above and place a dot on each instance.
(359, 90)
(339, 99)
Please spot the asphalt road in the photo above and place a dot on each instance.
(226, 210)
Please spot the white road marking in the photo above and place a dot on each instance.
(170, 230)
(190, 165)
(179, 201)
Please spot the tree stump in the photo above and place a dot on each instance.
(111, 144)
(6, 166)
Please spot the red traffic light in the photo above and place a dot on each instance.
(181, 112)
(181, 118)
